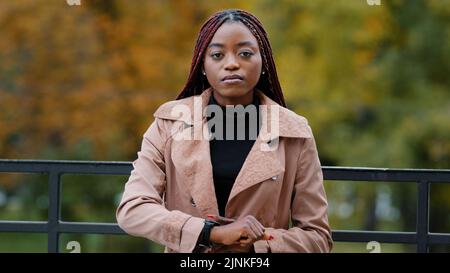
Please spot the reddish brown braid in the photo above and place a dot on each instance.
(268, 83)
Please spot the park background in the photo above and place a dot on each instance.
(82, 82)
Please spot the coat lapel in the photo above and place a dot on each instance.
(191, 157)
(262, 161)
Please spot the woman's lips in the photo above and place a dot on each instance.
(232, 81)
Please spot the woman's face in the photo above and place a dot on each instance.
(233, 64)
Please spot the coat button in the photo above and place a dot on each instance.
(274, 177)
(193, 203)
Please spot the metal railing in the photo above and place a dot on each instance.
(54, 226)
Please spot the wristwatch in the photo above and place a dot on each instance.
(206, 232)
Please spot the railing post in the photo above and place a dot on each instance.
(423, 205)
(53, 211)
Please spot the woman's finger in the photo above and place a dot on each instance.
(249, 232)
(222, 220)
(257, 225)
(225, 219)
(257, 230)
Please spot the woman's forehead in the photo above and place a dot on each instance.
(233, 34)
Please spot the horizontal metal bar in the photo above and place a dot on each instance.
(23, 226)
(61, 227)
(385, 174)
(438, 238)
(92, 228)
(388, 237)
(112, 228)
(379, 236)
(65, 166)
(123, 167)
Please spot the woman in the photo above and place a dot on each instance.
(197, 192)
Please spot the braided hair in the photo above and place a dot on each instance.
(268, 83)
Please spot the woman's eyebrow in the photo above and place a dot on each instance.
(245, 43)
(215, 45)
(240, 44)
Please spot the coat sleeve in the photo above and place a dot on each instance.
(310, 231)
(141, 211)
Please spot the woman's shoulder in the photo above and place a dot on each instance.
(295, 117)
(293, 124)
(176, 109)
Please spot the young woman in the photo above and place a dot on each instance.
(258, 188)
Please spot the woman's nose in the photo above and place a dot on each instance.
(231, 63)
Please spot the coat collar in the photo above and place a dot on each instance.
(290, 123)
(192, 157)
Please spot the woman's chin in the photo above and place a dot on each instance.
(231, 92)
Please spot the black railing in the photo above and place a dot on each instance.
(55, 169)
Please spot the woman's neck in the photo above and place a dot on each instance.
(243, 100)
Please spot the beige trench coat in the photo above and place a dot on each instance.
(170, 190)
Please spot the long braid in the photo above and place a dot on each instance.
(268, 83)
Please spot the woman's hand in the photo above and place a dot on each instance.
(234, 248)
(243, 232)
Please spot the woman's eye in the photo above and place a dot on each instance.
(246, 54)
(216, 55)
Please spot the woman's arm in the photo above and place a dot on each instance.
(141, 211)
(310, 231)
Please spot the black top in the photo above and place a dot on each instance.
(228, 153)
